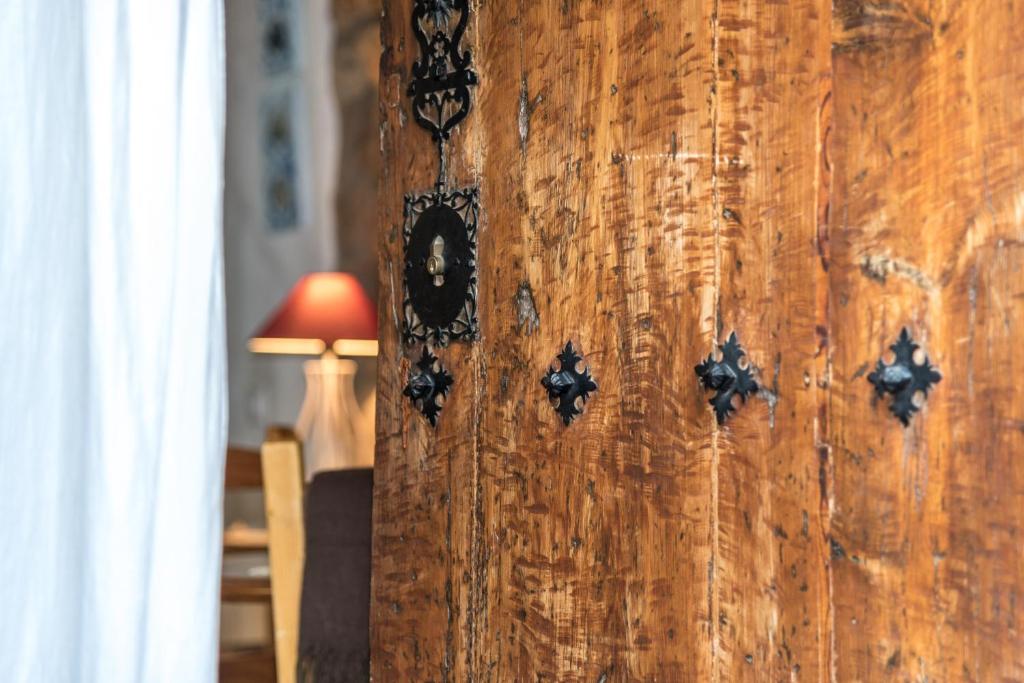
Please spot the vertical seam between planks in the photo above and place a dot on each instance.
(830, 622)
(823, 161)
(476, 522)
(716, 287)
(446, 664)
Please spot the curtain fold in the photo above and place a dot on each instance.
(113, 416)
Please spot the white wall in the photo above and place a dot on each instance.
(262, 265)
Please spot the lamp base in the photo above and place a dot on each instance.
(330, 421)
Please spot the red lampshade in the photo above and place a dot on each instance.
(322, 311)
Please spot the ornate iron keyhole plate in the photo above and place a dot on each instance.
(440, 267)
(903, 378)
(726, 378)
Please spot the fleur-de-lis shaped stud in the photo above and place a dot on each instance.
(726, 378)
(903, 378)
(430, 382)
(567, 384)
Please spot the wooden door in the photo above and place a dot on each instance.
(813, 175)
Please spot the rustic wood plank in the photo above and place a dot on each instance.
(595, 543)
(773, 70)
(926, 233)
(814, 175)
(425, 496)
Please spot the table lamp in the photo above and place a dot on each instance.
(326, 315)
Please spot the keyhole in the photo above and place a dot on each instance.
(436, 264)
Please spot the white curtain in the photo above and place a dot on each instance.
(112, 362)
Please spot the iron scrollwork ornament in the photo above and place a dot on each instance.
(903, 378)
(440, 231)
(726, 378)
(568, 383)
(443, 74)
(429, 383)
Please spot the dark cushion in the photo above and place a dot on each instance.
(334, 626)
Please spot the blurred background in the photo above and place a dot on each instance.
(301, 169)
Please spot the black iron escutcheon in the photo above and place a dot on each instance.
(440, 267)
(567, 384)
(903, 378)
(430, 382)
(726, 378)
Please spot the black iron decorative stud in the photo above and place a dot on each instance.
(903, 378)
(567, 384)
(431, 382)
(726, 378)
(441, 225)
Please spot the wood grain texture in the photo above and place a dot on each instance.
(424, 501)
(926, 233)
(773, 73)
(811, 174)
(595, 539)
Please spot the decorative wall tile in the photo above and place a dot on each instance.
(277, 29)
(280, 174)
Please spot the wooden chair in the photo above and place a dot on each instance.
(276, 469)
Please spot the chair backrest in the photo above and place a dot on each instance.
(334, 644)
(281, 459)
